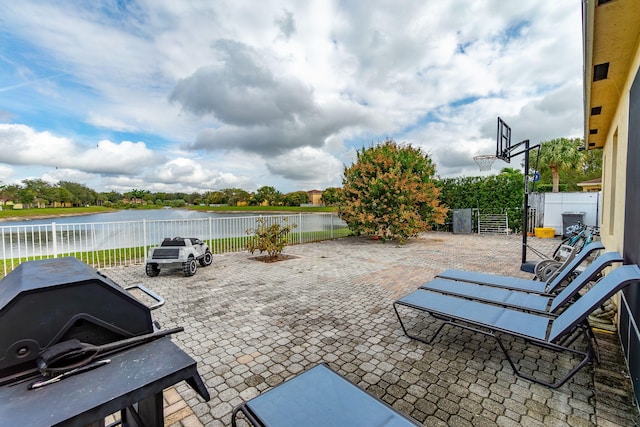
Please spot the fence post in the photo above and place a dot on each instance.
(331, 228)
(144, 237)
(301, 228)
(55, 241)
(4, 255)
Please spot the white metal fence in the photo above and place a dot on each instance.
(107, 244)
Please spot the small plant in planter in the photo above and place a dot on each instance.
(269, 238)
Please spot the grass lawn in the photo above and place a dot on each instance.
(51, 212)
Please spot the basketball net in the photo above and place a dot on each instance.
(484, 161)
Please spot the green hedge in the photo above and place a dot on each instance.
(503, 193)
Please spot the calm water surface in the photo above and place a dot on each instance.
(131, 215)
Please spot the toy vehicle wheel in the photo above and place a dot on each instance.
(549, 271)
(152, 270)
(539, 268)
(206, 259)
(189, 268)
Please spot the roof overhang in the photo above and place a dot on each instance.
(610, 34)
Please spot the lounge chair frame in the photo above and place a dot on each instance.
(586, 355)
(555, 333)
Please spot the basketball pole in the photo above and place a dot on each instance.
(525, 214)
(508, 153)
(504, 151)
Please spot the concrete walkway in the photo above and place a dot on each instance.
(251, 326)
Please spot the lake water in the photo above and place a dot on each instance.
(130, 215)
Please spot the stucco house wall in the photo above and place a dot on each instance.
(611, 35)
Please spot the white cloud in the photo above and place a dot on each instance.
(105, 122)
(190, 173)
(21, 145)
(187, 175)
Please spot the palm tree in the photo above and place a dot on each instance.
(560, 153)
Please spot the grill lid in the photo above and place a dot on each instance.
(48, 301)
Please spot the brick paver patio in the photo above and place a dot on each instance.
(252, 325)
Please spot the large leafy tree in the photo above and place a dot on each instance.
(10, 193)
(233, 196)
(36, 191)
(332, 196)
(296, 198)
(112, 196)
(560, 154)
(268, 194)
(137, 194)
(390, 192)
(81, 194)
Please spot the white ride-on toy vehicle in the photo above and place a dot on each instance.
(178, 252)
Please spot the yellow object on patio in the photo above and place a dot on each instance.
(545, 232)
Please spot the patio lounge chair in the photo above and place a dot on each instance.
(556, 333)
(530, 301)
(524, 284)
(319, 397)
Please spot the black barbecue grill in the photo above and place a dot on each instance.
(50, 305)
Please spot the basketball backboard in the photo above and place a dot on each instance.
(503, 141)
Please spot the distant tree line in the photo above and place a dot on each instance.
(40, 193)
(37, 193)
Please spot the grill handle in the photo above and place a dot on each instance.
(159, 300)
(71, 354)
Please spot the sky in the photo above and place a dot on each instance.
(196, 96)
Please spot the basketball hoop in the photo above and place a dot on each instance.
(484, 161)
